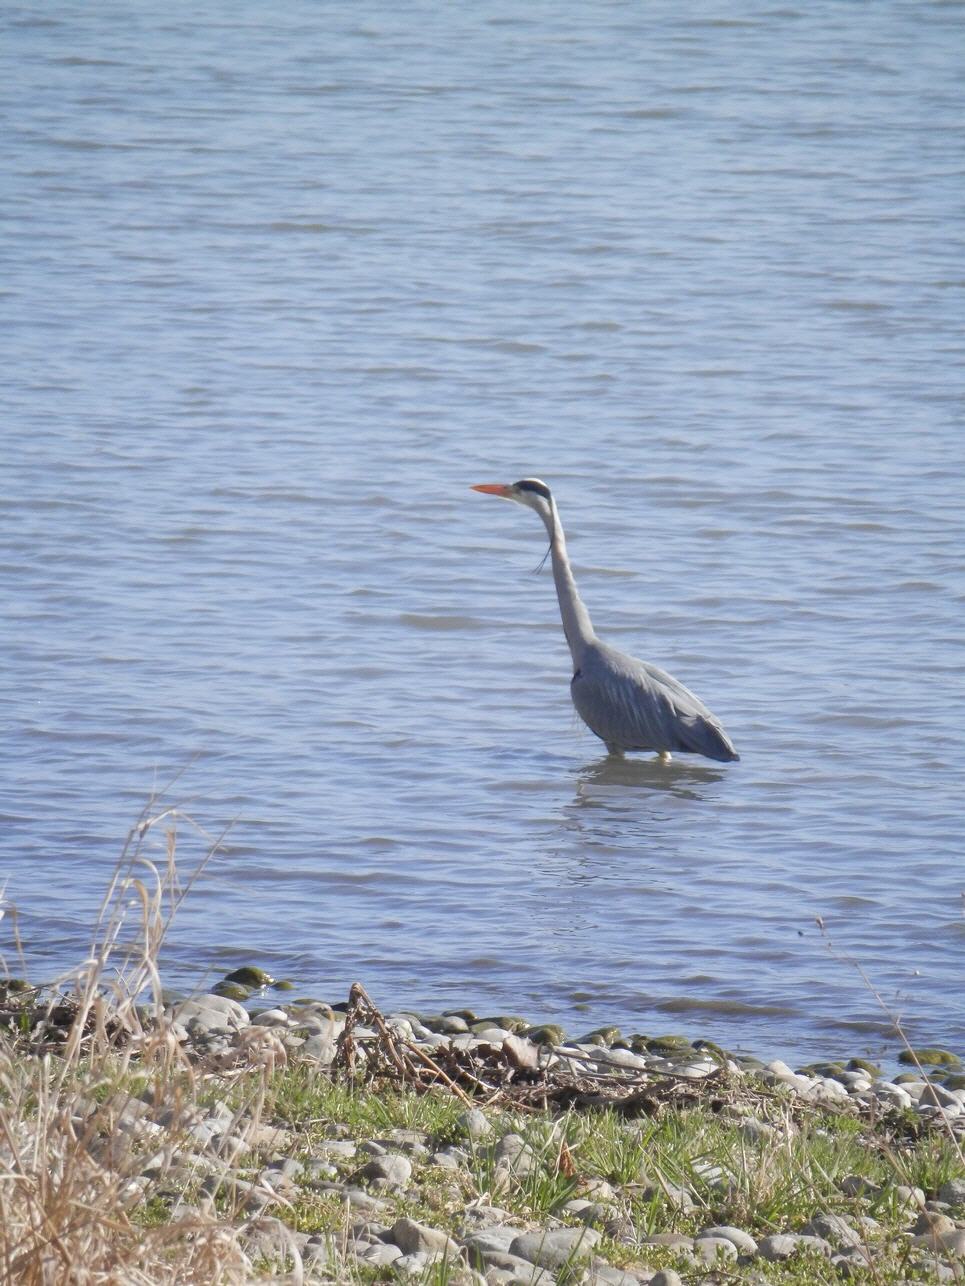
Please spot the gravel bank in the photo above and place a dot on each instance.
(334, 1147)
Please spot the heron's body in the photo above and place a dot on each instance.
(629, 704)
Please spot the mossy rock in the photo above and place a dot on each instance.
(283, 984)
(749, 1062)
(546, 1034)
(862, 1065)
(930, 1056)
(231, 990)
(444, 1024)
(250, 976)
(954, 1082)
(907, 1078)
(16, 992)
(509, 1022)
(831, 1070)
(715, 1050)
(670, 1044)
(468, 1016)
(606, 1036)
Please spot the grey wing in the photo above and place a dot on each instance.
(633, 705)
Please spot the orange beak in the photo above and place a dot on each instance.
(493, 489)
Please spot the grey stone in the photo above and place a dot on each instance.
(676, 1241)
(588, 1211)
(367, 1230)
(285, 1167)
(513, 1152)
(833, 1228)
(666, 1277)
(359, 1199)
(621, 1058)
(933, 1222)
(601, 1273)
(412, 1264)
(598, 1189)
(475, 1123)
(411, 1141)
(938, 1096)
(521, 1053)
(499, 1238)
(755, 1130)
(335, 1148)
(381, 1254)
(894, 1095)
(319, 1048)
(711, 1249)
(951, 1242)
(389, 1171)
(850, 1262)
(479, 1216)
(513, 1270)
(909, 1196)
(270, 1018)
(783, 1245)
(856, 1185)
(745, 1243)
(449, 1159)
(679, 1198)
(953, 1192)
(214, 1013)
(414, 1238)
(447, 1024)
(954, 1243)
(555, 1248)
(316, 1252)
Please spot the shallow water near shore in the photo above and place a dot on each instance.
(278, 287)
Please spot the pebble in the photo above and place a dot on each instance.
(389, 1171)
(834, 1229)
(621, 1058)
(271, 1018)
(414, 1238)
(214, 1013)
(710, 1249)
(743, 1241)
(953, 1192)
(783, 1245)
(555, 1248)
(381, 1254)
(475, 1123)
(894, 1095)
(671, 1241)
(513, 1269)
(514, 1153)
(498, 1238)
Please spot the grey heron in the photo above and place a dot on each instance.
(629, 704)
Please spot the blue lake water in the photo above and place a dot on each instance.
(278, 285)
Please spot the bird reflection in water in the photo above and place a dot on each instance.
(613, 777)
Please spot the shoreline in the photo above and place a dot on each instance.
(300, 1142)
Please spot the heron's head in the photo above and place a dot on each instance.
(528, 491)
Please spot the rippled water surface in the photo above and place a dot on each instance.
(280, 283)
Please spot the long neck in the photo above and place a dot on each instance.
(576, 619)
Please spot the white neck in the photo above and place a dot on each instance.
(576, 619)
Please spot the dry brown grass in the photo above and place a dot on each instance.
(80, 1119)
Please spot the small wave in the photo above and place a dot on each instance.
(441, 622)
